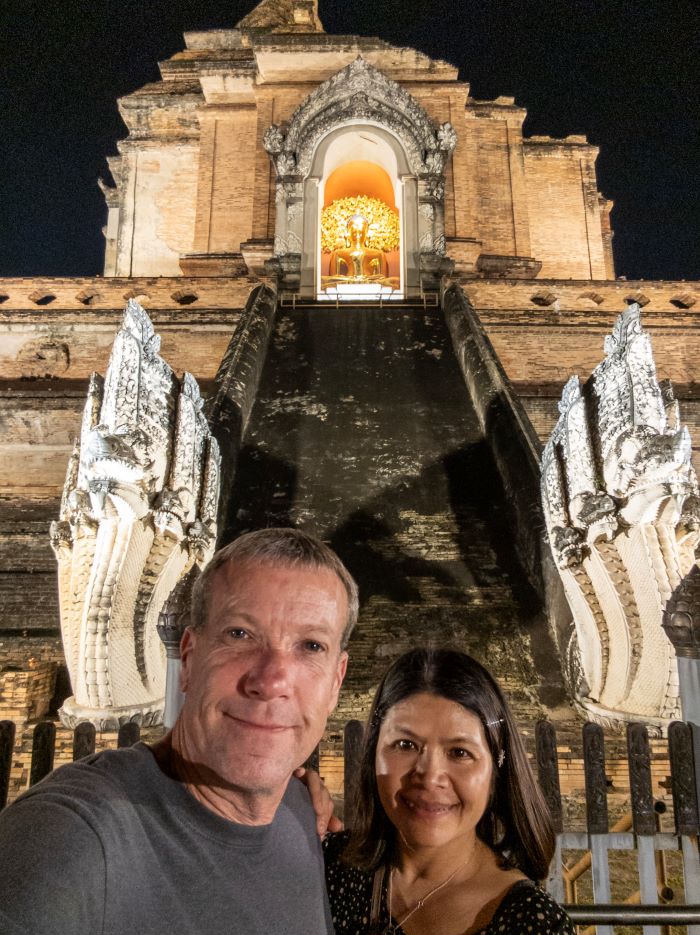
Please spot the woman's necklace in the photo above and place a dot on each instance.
(393, 927)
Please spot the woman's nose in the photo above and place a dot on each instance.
(429, 765)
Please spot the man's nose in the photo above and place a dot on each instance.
(268, 676)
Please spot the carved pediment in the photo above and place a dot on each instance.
(360, 92)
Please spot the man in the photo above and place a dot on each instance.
(203, 834)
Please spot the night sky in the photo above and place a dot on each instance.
(625, 74)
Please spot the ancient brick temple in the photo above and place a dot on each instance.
(380, 287)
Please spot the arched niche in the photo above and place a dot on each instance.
(367, 143)
(359, 111)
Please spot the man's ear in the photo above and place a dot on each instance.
(187, 644)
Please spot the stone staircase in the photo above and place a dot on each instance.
(364, 434)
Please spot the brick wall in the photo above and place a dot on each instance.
(564, 213)
(25, 693)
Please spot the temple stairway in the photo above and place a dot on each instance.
(364, 434)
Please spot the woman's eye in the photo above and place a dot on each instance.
(459, 753)
(405, 745)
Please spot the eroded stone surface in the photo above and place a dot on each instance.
(363, 433)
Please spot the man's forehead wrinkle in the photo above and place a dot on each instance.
(239, 591)
(230, 604)
(303, 608)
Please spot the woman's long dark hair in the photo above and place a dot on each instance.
(516, 825)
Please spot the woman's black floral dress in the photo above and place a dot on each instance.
(525, 909)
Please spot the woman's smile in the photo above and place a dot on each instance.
(427, 808)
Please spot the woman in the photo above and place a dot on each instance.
(451, 829)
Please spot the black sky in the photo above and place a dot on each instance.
(626, 74)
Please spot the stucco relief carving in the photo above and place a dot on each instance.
(284, 190)
(435, 189)
(447, 137)
(621, 505)
(273, 140)
(138, 512)
(286, 164)
(293, 243)
(360, 92)
(426, 242)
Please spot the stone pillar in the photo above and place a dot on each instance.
(308, 244)
(172, 620)
(681, 622)
(411, 255)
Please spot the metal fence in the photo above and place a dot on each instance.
(654, 905)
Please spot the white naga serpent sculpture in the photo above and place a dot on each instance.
(620, 499)
(138, 512)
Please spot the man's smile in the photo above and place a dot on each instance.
(259, 726)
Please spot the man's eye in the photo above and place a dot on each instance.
(237, 633)
(313, 646)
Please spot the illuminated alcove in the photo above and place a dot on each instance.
(367, 160)
(360, 188)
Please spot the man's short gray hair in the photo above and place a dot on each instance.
(283, 547)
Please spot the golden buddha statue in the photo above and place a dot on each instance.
(358, 262)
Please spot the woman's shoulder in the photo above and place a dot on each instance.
(334, 844)
(337, 869)
(528, 909)
(349, 888)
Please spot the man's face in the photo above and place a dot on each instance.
(263, 673)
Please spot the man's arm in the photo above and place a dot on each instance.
(52, 871)
(321, 800)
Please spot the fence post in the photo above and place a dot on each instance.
(313, 761)
(43, 743)
(643, 815)
(685, 808)
(548, 776)
(352, 745)
(7, 745)
(597, 814)
(129, 734)
(83, 740)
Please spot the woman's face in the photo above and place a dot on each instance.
(434, 771)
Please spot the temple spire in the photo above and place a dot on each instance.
(283, 16)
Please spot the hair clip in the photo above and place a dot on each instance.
(499, 720)
(501, 758)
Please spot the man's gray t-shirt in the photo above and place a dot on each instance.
(113, 846)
